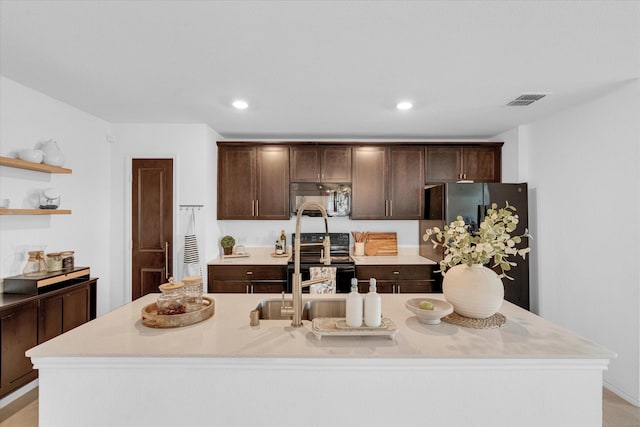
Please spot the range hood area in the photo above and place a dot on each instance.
(336, 198)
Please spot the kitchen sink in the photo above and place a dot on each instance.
(269, 309)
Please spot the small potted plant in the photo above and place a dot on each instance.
(227, 243)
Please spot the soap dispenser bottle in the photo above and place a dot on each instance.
(354, 306)
(372, 306)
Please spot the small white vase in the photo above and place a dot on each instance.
(474, 291)
(52, 154)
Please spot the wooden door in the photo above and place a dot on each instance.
(443, 164)
(272, 183)
(152, 224)
(236, 182)
(18, 333)
(75, 308)
(335, 164)
(369, 183)
(481, 164)
(305, 164)
(406, 183)
(50, 321)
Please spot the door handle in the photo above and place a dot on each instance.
(166, 260)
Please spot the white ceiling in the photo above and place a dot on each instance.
(321, 69)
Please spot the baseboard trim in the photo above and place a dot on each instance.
(634, 400)
(17, 394)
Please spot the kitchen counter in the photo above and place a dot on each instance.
(263, 256)
(529, 372)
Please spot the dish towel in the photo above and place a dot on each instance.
(191, 257)
(328, 287)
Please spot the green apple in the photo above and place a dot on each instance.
(426, 305)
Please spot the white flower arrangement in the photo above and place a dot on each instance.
(492, 241)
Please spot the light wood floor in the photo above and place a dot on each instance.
(24, 411)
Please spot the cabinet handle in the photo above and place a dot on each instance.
(249, 273)
(386, 208)
(390, 207)
(396, 272)
(247, 288)
(257, 208)
(253, 208)
(166, 260)
(398, 289)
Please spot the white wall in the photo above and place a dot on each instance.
(192, 185)
(582, 167)
(26, 117)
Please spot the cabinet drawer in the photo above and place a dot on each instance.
(248, 272)
(395, 272)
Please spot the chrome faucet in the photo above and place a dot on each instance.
(325, 257)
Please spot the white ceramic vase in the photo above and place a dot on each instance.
(474, 291)
(52, 154)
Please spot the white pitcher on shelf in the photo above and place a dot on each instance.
(52, 154)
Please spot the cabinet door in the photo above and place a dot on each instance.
(305, 164)
(50, 318)
(369, 183)
(75, 308)
(228, 287)
(406, 184)
(272, 183)
(236, 182)
(335, 164)
(443, 164)
(18, 333)
(415, 287)
(481, 164)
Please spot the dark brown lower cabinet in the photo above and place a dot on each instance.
(18, 333)
(62, 312)
(398, 279)
(29, 320)
(247, 279)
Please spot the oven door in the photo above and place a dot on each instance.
(344, 274)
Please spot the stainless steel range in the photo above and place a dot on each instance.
(310, 257)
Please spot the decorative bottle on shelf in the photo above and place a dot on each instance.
(283, 241)
(372, 306)
(354, 306)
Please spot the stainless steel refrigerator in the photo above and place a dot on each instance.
(445, 202)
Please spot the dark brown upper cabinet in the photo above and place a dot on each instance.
(330, 164)
(387, 182)
(253, 182)
(455, 163)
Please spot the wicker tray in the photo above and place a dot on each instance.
(152, 319)
(335, 327)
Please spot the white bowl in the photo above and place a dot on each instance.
(30, 155)
(430, 317)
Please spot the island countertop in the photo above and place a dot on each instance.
(120, 333)
(222, 371)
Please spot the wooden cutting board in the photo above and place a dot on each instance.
(381, 244)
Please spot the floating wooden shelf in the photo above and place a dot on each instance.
(35, 211)
(40, 167)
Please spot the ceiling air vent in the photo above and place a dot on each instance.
(526, 99)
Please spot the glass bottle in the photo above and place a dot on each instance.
(42, 263)
(33, 265)
(171, 301)
(192, 293)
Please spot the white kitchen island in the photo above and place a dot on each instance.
(114, 371)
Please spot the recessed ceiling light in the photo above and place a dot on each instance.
(240, 104)
(404, 105)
